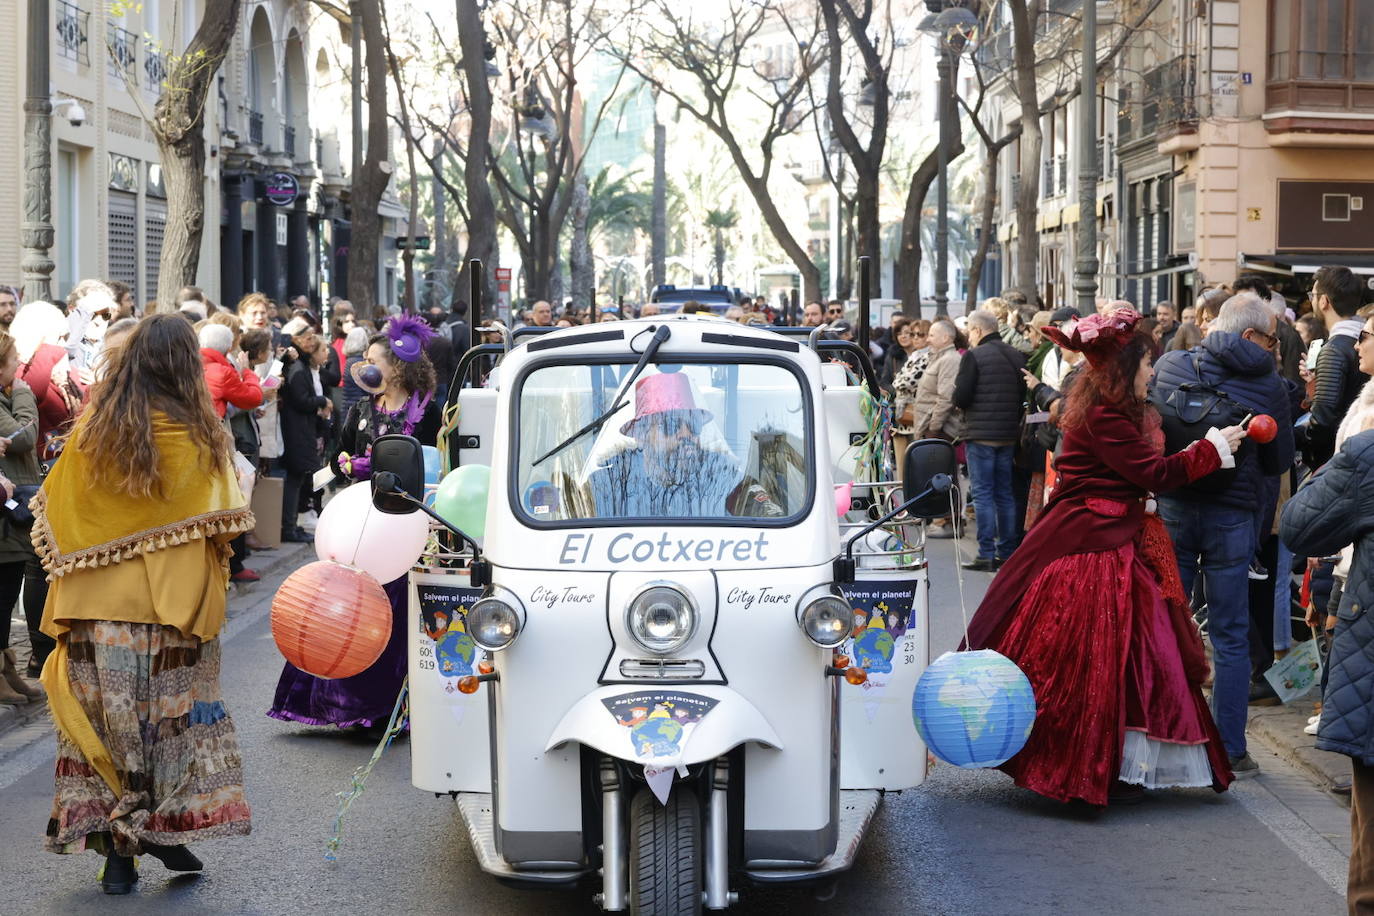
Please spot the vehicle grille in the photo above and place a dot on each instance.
(670, 669)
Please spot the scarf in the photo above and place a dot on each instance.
(79, 524)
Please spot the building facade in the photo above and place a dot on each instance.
(1233, 136)
(276, 182)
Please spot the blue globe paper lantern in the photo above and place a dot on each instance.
(974, 709)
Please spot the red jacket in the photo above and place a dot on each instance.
(53, 412)
(228, 385)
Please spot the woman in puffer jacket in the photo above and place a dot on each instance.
(1335, 509)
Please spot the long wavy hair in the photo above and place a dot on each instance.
(1109, 384)
(156, 369)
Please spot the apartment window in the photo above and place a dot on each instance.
(1321, 40)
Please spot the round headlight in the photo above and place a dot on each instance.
(493, 623)
(826, 620)
(661, 619)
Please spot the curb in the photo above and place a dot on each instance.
(263, 562)
(1280, 728)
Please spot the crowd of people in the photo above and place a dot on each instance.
(1108, 468)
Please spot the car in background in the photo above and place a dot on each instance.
(718, 297)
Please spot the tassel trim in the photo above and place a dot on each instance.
(57, 564)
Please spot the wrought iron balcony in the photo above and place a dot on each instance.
(1047, 178)
(123, 47)
(289, 133)
(1062, 161)
(1015, 186)
(1175, 84)
(154, 66)
(255, 127)
(73, 25)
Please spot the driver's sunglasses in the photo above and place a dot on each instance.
(835, 311)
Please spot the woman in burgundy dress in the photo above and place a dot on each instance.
(1090, 606)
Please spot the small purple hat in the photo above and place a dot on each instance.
(407, 336)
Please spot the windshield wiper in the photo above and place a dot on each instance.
(660, 337)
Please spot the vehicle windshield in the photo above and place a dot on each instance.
(696, 441)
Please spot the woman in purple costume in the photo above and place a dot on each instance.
(400, 373)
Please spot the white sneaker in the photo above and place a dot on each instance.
(1311, 728)
(1313, 720)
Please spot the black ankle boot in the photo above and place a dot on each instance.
(177, 858)
(118, 875)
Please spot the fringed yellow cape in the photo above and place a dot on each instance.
(112, 556)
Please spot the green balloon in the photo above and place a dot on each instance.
(462, 498)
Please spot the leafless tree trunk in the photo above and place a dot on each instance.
(481, 208)
(580, 252)
(179, 127)
(908, 269)
(867, 160)
(1025, 16)
(658, 226)
(369, 184)
(413, 218)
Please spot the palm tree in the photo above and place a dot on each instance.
(617, 204)
(719, 221)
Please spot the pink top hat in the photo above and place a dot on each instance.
(662, 393)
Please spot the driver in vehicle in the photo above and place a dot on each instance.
(667, 472)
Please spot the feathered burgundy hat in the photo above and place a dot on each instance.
(407, 335)
(1098, 337)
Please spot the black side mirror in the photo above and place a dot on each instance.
(925, 459)
(398, 464)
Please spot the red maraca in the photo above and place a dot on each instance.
(1262, 428)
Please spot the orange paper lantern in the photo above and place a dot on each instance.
(331, 620)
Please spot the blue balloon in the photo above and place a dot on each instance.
(433, 464)
(974, 709)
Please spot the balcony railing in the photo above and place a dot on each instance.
(1015, 186)
(1177, 92)
(255, 127)
(154, 67)
(73, 26)
(123, 48)
(1063, 163)
(289, 133)
(1104, 159)
(1047, 178)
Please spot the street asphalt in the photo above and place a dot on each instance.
(966, 842)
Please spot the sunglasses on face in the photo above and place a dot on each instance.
(1365, 335)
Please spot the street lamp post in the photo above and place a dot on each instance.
(37, 232)
(1085, 268)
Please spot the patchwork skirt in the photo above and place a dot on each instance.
(153, 697)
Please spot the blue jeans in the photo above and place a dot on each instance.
(1220, 542)
(989, 474)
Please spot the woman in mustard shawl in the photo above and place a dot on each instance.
(133, 527)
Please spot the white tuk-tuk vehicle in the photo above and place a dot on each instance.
(641, 680)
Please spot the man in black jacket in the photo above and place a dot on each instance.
(991, 391)
(1212, 522)
(1336, 296)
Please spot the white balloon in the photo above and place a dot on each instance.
(353, 532)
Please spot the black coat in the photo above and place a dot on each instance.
(1339, 381)
(991, 391)
(1336, 508)
(362, 424)
(301, 425)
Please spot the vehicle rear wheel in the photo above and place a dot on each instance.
(665, 854)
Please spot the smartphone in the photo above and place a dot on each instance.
(1314, 350)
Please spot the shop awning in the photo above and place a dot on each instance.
(1305, 264)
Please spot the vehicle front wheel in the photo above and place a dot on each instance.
(665, 854)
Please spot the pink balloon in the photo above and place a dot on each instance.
(844, 498)
(354, 533)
